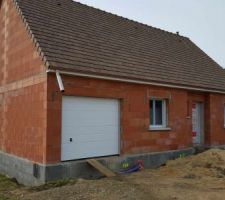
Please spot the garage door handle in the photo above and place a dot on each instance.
(71, 139)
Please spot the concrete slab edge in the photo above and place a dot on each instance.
(33, 174)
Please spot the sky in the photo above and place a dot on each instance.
(203, 21)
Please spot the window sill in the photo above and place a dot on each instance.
(159, 129)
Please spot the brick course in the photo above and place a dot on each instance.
(23, 89)
(135, 136)
(30, 103)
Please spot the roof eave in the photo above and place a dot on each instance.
(168, 85)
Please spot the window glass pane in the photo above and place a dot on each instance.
(151, 112)
(158, 112)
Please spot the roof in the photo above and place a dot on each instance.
(79, 38)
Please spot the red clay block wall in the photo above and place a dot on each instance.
(23, 89)
(135, 136)
(217, 130)
(1, 71)
(24, 122)
(22, 59)
(214, 116)
(30, 103)
(1, 44)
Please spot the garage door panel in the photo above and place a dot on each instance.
(89, 132)
(84, 138)
(92, 138)
(89, 129)
(90, 108)
(102, 118)
(93, 125)
(80, 103)
(93, 117)
(89, 150)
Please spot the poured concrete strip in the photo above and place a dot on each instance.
(32, 174)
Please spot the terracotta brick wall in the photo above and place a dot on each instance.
(217, 130)
(2, 36)
(135, 136)
(214, 116)
(20, 56)
(1, 71)
(23, 89)
(30, 111)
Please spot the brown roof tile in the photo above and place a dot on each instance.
(75, 37)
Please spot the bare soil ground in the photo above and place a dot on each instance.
(199, 177)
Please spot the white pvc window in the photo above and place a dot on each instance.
(158, 116)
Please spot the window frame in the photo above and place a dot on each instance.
(164, 125)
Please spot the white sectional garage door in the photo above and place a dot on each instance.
(90, 127)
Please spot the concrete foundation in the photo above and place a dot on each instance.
(33, 174)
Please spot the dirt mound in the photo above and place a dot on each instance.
(209, 163)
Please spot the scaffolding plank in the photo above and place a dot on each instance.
(101, 168)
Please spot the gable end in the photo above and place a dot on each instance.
(31, 34)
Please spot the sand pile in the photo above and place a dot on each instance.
(209, 163)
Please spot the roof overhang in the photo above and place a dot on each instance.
(134, 81)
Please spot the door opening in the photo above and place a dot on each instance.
(198, 123)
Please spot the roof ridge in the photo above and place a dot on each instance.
(129, 20)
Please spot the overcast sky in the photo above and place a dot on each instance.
(203, 21)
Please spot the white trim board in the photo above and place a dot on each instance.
(134, 81)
